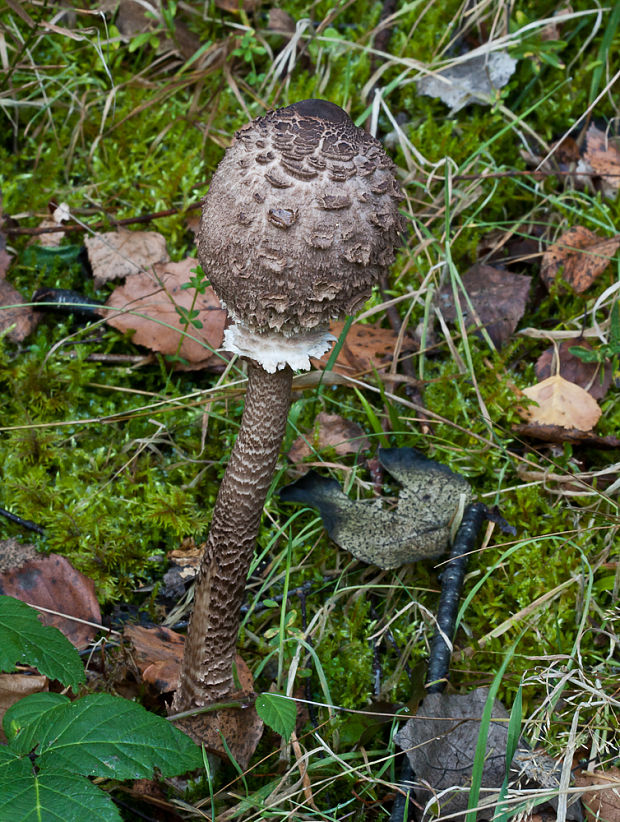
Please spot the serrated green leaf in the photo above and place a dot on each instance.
(26, 640)
(12, 766)
(54, 796)
(21, 721)
(277, 711)
(103, 735)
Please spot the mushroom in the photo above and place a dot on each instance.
(300, 220)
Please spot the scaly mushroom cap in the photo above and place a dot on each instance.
(300, 220)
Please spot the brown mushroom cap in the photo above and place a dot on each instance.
(300, 220)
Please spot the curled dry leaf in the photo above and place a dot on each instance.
(563, 403)
(498, 297)
(50, 582)
(581, 254)
(590, 376)
(117, 254)
(155, 320)
(330, 431)
(366, 347)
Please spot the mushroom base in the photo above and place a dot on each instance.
(275, 351)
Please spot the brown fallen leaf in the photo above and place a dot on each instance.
(330, 431)
(59, 215)
(117, 254)
(50, 582)
(602, 157)
(561, 402)
(366, 347)
(499, 298)
(587, 375)
(19, 318)
(601, 805)
(14, 687)
(581, 254)
(154, 317)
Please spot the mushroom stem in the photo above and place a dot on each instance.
(206, 672)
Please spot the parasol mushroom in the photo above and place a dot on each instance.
(300, 220)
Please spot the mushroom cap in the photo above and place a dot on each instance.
(300, 219)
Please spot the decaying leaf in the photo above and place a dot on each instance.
(14, 687)
(158, 653)
(19, 318)
(587, 375)
(50, 582)
(419, 528)
(330, 431)
(602, 157)
(581, 254)
(561, 402)
(557, 434)
(601, 805)
(117, 254)
(156, 321)
(498, 297)
(59, 215)
(473, 80)
(440, 743)
(366, 347)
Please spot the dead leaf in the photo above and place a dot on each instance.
(330, 431)
(601, 805)
(235, 5)
(117, 254)
(561, 402)
(158, 653)
(498, 297)
(13, 313)
(155, 320)
(365, 347)
(50, 582)
(581, 254)
(471, 80)
(61, 214)
(14, 687)
(440, 743)
(419, 528)
(602, 157)
(587, 375)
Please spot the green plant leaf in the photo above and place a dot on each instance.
(23, 718)
(12, 766)
(101, 735)
(277, 711)
(26, 640)
(54, 796)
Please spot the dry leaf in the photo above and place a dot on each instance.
(22, 317)
(419, 528)
(118, 254)
(14, 687)
(50, 582)
(602, 157)
(557, 434)
(473, 80)
(156, 322)
(60, 214)
(331, 431)
(561, 403)
(601, 805)
(365, 347)
(158, 653)
(587, 375)
(498, 297)
(582, 255)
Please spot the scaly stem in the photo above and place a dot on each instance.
(206, 672)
